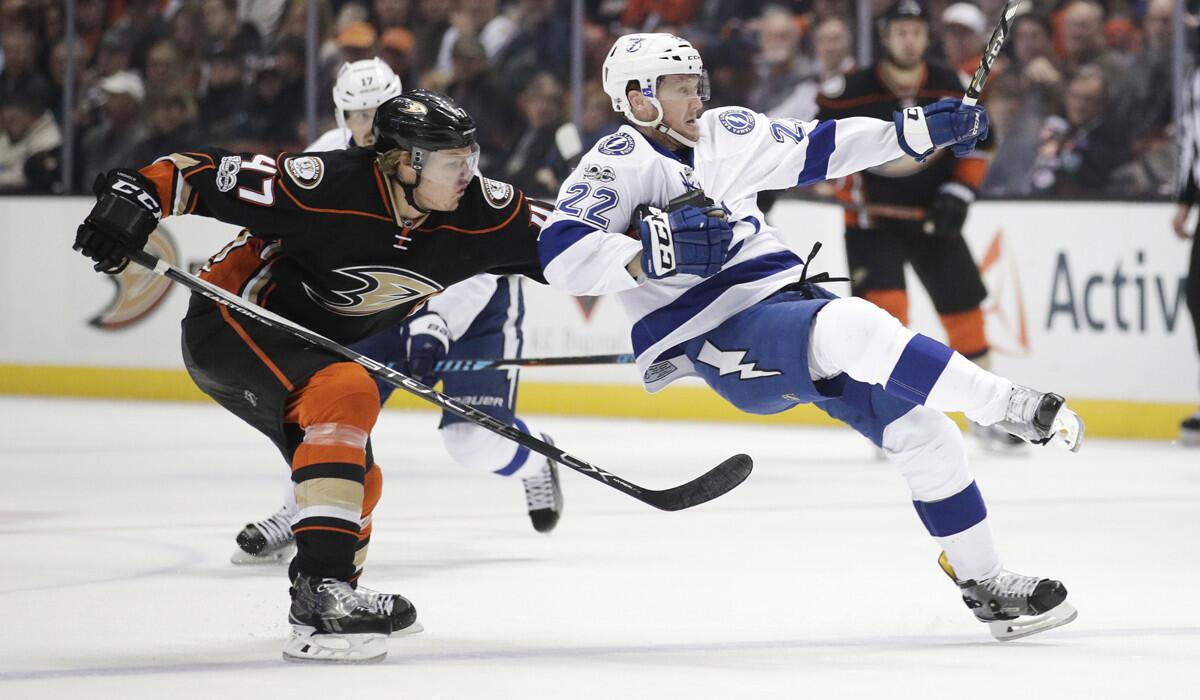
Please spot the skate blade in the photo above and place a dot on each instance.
(242, 558)
(414, 628)
(1068, 430)
(1189, 438)
(303, 646)
(1008, 630)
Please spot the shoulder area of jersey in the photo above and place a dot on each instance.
(738, 121)
(308, 170)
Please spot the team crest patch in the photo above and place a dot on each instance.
(617, 145)
(738, 121)
(306, 171)
(411, 106)
(498, 194)
(634, 45)
(227, 172)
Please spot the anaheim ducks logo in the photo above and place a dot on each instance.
(139, 291)
(375, 289)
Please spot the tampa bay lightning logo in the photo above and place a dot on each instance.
(634, 45)
(617, 145)
(738, 121)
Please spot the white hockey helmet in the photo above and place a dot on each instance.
(363, 85)
(645, 58)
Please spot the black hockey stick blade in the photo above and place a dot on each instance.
(717, 481)
(991, 51)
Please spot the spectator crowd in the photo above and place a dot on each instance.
(1080, 100)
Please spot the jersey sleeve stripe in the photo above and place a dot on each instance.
(283, 186)
(559, 236)
(821, 144)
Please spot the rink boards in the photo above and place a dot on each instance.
(1085, 298)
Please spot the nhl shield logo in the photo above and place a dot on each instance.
(305, 171)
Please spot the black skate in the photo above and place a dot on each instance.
(331, 622)
(399, 610)
(543, 496)
(1189, 431)
(266, 541)
(1012, 605)
(1041, 418)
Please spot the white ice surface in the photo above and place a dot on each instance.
(813, 580)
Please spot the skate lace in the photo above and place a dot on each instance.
(347, 599)
(1010, 585)
(277, 529)
(1023, 404)
(539, 490)
(376, 601)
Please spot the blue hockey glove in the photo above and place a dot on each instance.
(427, 343)
(690, 240)
(922, 130)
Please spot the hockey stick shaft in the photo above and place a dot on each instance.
(990, 52)
(715, 482)
(480, 364)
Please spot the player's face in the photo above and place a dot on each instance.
(682, 99)
(359, 122)
(905, 42)
(445, 176)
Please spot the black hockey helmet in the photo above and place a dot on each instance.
(904, 9)
(422, 120)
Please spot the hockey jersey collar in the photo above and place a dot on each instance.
(684, 155)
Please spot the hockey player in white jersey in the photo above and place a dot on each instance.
(713, 293)
(477, 318)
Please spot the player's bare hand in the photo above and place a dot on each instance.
(1179, 221)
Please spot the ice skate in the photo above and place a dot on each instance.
(543, 496)
(1012, 605)
(1041, 418)
(266, 541)
(332, 623)
(998, 441)
(399, 610)
(1189, 431)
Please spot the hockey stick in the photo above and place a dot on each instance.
(990, 52)
(476, 365)
(706, 487)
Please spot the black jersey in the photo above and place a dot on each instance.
(324, 245)
(865, 93)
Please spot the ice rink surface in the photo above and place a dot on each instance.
(814, 579)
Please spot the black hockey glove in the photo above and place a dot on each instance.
(125, 215)
(946, 218)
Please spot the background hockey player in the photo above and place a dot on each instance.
(878, 247)
(1188, 194)
(714, 294)
(345, 243)
(480, 317)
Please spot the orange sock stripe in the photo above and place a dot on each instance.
(325, 528)
(341, 393)
(893, 301)
(372, 489)
(237, 328)
(307, 455)
(965, 331)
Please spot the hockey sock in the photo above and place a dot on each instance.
(959, 525)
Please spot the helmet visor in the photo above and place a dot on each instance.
(450, 167)
(682, 86)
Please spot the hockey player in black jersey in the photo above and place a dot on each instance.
(344, 243)
(877, 247)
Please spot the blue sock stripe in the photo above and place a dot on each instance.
(922, 362)
(520, 457)
(951, 516)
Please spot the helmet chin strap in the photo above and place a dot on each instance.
(410, 191)
(657, 124)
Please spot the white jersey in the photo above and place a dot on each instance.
(459, 304)
(585, 251)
